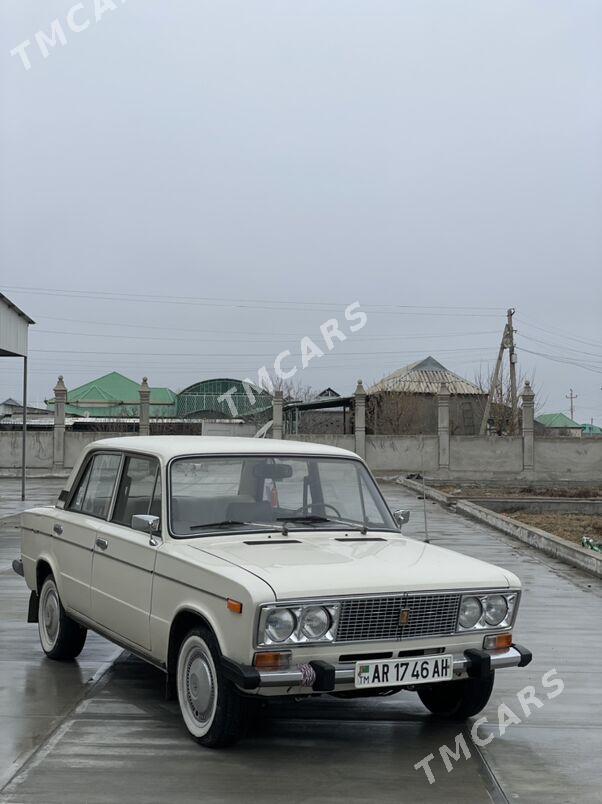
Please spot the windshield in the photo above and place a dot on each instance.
(252, 492)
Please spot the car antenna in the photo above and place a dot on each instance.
(426, 524)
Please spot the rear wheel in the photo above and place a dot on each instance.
(60, 636)
(457, 700)
(214, 712)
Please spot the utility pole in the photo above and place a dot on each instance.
(572, 397)
(494, 382)
(513, 391)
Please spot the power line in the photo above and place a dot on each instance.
(222, 355)
(43, 366)
(246, 340)
(561, 346)
(565, 361)
(561, 334)
(217, 300)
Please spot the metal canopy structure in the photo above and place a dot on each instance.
(223, 397)
(292, 409)
(14, 329)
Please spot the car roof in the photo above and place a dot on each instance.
(167, 447)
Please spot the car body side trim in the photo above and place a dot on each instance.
(121, 642)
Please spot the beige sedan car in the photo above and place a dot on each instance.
(245, 568)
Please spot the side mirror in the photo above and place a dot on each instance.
(147, 523)
(401, 516)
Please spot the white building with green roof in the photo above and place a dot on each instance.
(115, 396)
(559, 424)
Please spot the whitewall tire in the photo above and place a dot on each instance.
(60, 636)
(213, 710)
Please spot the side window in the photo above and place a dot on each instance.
(93, 495)
(78, 498)
(139, 490)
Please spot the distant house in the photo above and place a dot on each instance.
(115, 396)
(405, 401)
(591, 430)
(425, 377)
(10, 407)
(557, 424)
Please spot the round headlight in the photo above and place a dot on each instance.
(470, 612)
(315, 622)
(280, 624)
(496, 609)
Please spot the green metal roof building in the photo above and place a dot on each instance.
(114, 395)
(591, 430)
(557, 421)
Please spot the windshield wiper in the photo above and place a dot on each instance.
(317, 519)
(226, 523)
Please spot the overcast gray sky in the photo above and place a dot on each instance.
(435, 154)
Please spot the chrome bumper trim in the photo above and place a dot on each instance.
(345, 673)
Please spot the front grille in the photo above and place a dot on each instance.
(373, 618)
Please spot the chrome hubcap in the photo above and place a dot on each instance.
(200, 685)
(50, 618)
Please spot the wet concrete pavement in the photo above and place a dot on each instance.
(35, 693)
(38, 491)
(112, 737)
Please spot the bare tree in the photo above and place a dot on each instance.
(501, 408)
(396, 412)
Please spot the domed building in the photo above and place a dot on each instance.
(224, 398)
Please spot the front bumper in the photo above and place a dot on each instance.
(319, 676)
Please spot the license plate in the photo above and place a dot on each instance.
(402, 672)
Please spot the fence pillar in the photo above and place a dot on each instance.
(528, 398)
(144, 425)
(443, 425)
(58, 443)
(360, 420)
(277, 406)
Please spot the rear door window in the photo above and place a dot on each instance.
(95, 490)
(78, 498)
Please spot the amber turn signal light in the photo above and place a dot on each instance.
(498, 641)
(234, 605)
(272, 661)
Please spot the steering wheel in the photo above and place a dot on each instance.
(310, 506)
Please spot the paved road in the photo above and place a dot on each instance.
(112, 737)
(38, 491)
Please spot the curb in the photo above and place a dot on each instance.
(548, 543)
(429, 492)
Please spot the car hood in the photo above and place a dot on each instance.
(327, 563)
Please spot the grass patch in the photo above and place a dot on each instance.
(571, 527)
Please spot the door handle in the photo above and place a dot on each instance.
(58, 529)
(102, 543)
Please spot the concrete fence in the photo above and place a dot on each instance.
(442, 456)
(489, 457)
(56, 451)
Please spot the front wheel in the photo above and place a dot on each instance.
(60, 636)
(213, 710)
(457, 700)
